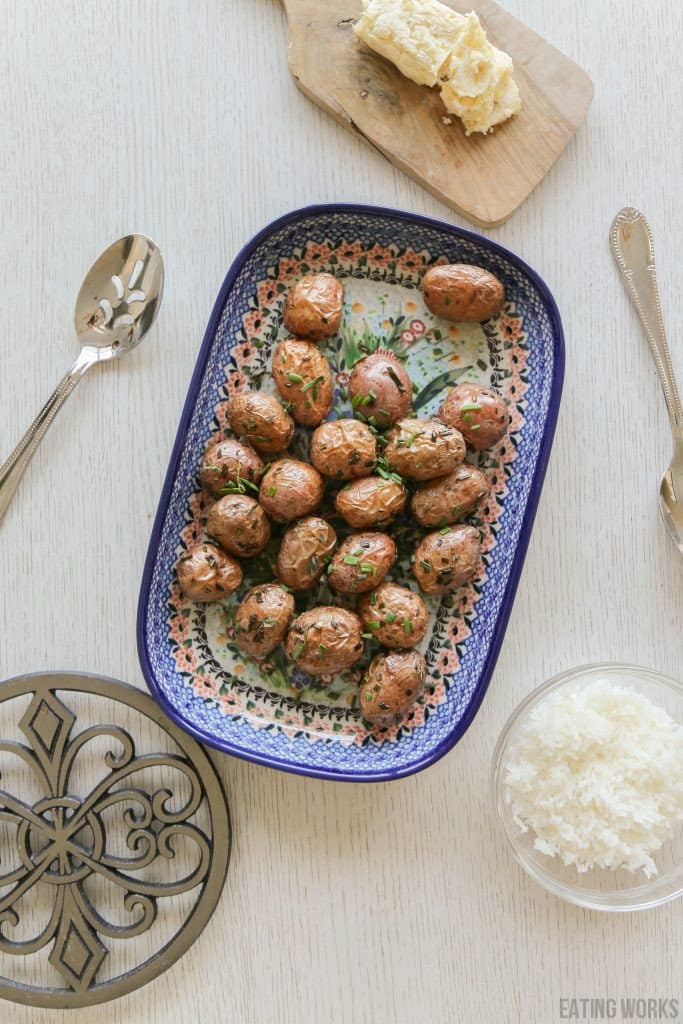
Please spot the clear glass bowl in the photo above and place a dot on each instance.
(597, 889)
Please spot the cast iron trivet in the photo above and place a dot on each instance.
(104, 834)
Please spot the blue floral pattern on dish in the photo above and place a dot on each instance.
(382, 255)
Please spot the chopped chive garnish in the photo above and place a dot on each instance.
(384, 471)
(383, 412)
(367, 636)
(396, 379)
(388, 475)
(368, 695)
(408, 626)
(357, 399)
(444, 529)
(470, 406)
(390, 617)
(322, 648)
(427, 566)
(368, 568)
(295, 378)
(475, 426)
(411, 438)
(271, 491)
(373, 624)
(312, 383)
(297, 650)
(373, 598)
(350, 560)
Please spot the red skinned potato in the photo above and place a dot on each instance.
(480, 414)
(302, 376)
(305, 552)
(262, 619)
(239, 524)
(290, 489)
(325, 640)
(344, 449)
(380, 390)
(462, 292)
(361, 562)
(390, 687)
(314, 305)
(423, 449)
(205, 573)
(449, 499)
(444, 561)
(226, 463)
(260, 419)
(396, 616)
(371, 501)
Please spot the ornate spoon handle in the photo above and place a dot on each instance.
(12, 470)
(633, 248)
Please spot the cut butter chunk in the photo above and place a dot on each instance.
(477, 82)
(417, 36)
(432, 44)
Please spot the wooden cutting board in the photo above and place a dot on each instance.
(485, 178)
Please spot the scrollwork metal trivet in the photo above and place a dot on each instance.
(62, 843)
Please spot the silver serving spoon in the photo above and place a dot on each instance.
(633, 248)
(117, 304)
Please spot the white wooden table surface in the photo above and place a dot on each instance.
(386, 903)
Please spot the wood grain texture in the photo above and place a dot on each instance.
(485, 178)
(388, 904)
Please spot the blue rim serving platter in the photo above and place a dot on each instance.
(266, 713)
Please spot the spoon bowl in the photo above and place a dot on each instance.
(120, 296)
(116, 306)
(671, 497)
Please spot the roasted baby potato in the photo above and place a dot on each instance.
(290, 489)
(449, 498)
(480, 414)
(390, 687)
(262, 619)
(371, 501)
(444, 561)
(423, 449)
(305, 552)
(205, 573)
(380, 390)
(396, 616)
(462, 292)
(344, 449)
(239, 524)
(313, 307)
(325, 640)
(228, 462)
(261, 420)
(361, 562)
(302, 376)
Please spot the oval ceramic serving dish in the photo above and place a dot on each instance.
(269, 713)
